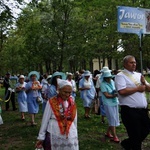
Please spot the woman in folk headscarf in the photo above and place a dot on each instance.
(33, 88)
(87, 92)
(59, 124)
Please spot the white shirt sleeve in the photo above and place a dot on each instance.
(45, 120)
(120, 82)
(44, 88)
(98, 83)
(74, 86)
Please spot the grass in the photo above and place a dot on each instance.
(16, 134)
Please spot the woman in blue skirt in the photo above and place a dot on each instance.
(33, 88)
(22, 97)
(110, 101)
(87, 92)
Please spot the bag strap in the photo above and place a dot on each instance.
(131, 78)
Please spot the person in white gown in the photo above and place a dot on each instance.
(59, 123)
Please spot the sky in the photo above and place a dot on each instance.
(15, 6)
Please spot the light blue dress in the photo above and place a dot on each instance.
(45, 89)
(87, 95)
(52, 91)
(109, 88)
(33, 105)
(73, 83)
(22, 98)
(110, 104)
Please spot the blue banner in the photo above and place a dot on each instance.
(133, 20)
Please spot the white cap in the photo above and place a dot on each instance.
(70, 74)
(21, 76)
(105, 68)
(49, 77)
(62, 83)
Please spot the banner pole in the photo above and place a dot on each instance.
(140, 48)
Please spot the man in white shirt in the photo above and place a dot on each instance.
(131, 87)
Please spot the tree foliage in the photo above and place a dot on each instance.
(66, 35)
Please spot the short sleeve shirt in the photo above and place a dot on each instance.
(135, 100)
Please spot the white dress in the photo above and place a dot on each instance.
(87, 95)
(57, 140)
(74, 89)
(1, 120)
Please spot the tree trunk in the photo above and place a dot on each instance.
(91, 65)
(116, 64)
(109, 62)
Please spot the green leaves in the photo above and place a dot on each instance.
(67, 35)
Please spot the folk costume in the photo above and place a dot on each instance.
(59, 124)
(33, 93)
(87, 95)
(110, 101)
(110, 104)
(22, 97)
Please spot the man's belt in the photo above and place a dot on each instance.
(125, 106)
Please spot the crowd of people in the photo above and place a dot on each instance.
(57, 93)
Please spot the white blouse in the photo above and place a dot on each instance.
(50, 124)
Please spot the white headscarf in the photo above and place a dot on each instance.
(61, 83)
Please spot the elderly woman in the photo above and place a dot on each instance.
(87, 92)
(110, 101)
(59, 124)
(22, 97)
(33, 88)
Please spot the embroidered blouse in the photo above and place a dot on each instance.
(54, 123)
